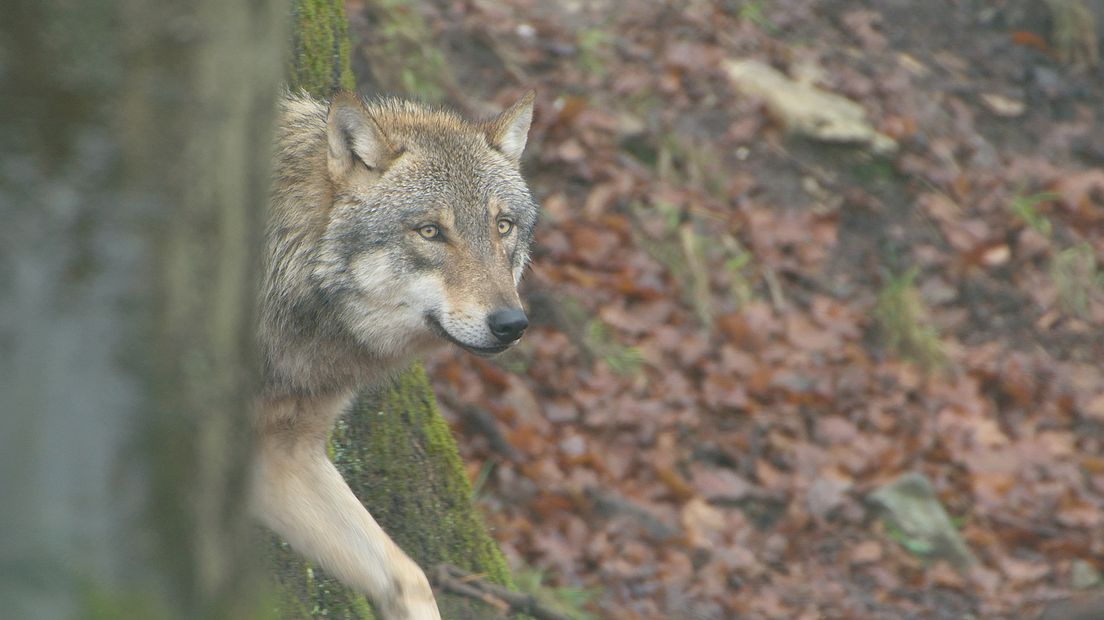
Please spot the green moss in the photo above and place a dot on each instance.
(601, 342)
(401, 460)
(1026, 207)
(319, 60)
(874, 172)
(399, 457)
(595, 46)
(1078, 278)
(754, 11)
(903, 320)
(570, 602)
(306, 592)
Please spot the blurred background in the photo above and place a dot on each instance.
(817, 301)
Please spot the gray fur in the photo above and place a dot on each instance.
(354, 291)
(317, 229)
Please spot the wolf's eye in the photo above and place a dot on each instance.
(429, 231)
(504, 227)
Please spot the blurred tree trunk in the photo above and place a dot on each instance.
(134, 166)
(393, 447)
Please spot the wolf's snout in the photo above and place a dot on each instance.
(507, 325)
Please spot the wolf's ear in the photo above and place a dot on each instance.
(354, 136)
(507, 132)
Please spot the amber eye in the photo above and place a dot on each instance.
(429, 231)
(504, 227)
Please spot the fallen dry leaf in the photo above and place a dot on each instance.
(719, 485)
(1003, 106)
(806, 110)
(704, 525)
(866, 552)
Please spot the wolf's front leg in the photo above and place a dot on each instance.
(301, 496)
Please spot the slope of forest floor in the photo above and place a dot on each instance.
(740, 334)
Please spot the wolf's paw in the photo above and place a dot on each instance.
(412, 598)
(422, 611)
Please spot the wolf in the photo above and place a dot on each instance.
(394, 227)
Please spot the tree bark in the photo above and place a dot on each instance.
(393, 448)
(134, 165)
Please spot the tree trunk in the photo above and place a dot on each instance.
(134, 165)
(393, 447)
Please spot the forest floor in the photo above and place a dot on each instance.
(740, 334)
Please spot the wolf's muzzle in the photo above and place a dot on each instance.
(507, 325)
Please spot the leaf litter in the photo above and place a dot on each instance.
(740, 335)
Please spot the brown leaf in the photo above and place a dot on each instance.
(704, 524)
(983, 578)
(722, 391)
(674, 482)
(1075, 512)
(1023, 571)
(826, 495)
(836, 429)
(1083, 194)
(866, 552)
(740, 331)
(801, 332)
(718, 484)
(941, 573)
(593, 245)
(1095, 407)
(864, 26)
(687, 56)
(571, 151)
(599, 199)
(1030, 39)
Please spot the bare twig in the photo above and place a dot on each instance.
(451, 579)
(483, 422)
(774, 287)
(699, 273)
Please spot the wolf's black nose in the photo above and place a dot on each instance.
(507, 325)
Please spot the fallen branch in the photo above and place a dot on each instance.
(483, 422)
(451, 579)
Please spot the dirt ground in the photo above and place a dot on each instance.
(740, 333)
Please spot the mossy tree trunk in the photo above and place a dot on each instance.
(393, 447)
(133, 184)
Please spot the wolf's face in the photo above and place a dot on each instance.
(430, 226)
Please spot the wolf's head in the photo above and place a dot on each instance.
(430, 226)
